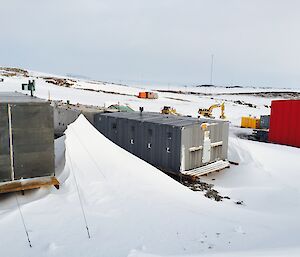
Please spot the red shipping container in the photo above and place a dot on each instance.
(285, 122)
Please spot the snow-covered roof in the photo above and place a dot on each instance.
(16, 97)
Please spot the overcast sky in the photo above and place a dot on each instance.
(254, 42)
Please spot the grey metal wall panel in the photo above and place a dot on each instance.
(221, 135)
(174, 142)
(136, 135)
(62, 118)
(33, 142)
(5, 170)
(192, 136)
(216, 136)
(264, 122)
(225, 135)
(32, 137)
(158, 136)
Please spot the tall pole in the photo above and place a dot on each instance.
(211, 69)
(11, 151)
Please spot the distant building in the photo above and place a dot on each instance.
(120, 108)
(66, 113)
(148, 95)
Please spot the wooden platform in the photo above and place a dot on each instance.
(215, 166)
(26, 184)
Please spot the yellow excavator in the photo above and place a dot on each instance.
(208, 112)
(169, 110)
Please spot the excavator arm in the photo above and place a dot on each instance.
(208, 112)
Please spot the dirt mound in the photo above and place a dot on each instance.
(197, 185)
(60, 81)
(12, 72)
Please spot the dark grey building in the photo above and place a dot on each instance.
(172, 143)
(26, 137)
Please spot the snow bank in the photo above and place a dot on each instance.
(133, 209)
(128, 205)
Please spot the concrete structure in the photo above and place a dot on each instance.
(172, 143)
(26, 141)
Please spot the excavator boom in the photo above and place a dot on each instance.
(208, 112)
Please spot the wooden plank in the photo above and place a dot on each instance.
(204, 170)
(26, 184)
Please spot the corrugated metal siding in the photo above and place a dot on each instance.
(192, 136)
(162, 133)
(285, 122)
(160, 137)
(225, 135)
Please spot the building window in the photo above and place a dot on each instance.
(168, 149)
(169, 135)
(149, 145)
(131, 141)
(132, 128)
(114, 126)
(150, 132)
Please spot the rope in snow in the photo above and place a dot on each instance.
(23, 221)
(78, 138)
(79, 196)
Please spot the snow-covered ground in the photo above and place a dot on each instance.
(132, 209)
(187, 104)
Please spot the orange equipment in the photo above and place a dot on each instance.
(148, 95)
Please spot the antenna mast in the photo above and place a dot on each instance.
(211, 69)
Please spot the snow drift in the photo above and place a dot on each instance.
(132, 209)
